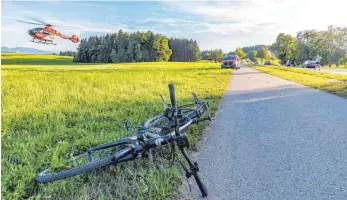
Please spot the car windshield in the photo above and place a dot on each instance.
(229, 58)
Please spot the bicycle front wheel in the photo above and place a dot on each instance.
(79, 165)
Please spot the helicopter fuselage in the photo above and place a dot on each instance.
(46, 33)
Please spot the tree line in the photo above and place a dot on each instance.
(330, 45)
(67, 53)
(258, 55)
(135, 47)
(215, 55)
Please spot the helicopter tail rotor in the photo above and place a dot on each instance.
(75, 38)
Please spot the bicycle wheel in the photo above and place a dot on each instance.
(81, 164)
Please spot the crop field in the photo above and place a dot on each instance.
(52, 108)
(332, 83)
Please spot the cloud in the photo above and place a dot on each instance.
(226, 17)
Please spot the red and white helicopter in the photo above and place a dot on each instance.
(46, 35)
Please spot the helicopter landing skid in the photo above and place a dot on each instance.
(47, 42)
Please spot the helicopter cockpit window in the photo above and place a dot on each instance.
(35, 30)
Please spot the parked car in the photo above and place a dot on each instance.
(290, 63)
(267, 62)
(231, 61)
(309, 64)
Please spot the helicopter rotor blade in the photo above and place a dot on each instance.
(29, 22)
(42, 22)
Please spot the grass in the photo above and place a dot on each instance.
(332, 83)
(34, 59)
(51, 109)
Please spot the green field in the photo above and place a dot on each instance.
(333, 83)
(52, 108)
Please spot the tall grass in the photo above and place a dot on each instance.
(52, 111)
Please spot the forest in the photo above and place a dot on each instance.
(136, 47)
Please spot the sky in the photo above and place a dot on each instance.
(224, 25)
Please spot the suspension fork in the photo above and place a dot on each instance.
(193, 171)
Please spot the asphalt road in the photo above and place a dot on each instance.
(334, 71)
(274, 139)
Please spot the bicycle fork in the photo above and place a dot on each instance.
(193, 171)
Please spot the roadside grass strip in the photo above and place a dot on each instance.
(332, 83)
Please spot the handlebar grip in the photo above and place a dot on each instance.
(172, 95)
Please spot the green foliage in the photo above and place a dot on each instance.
(251, 48)
(184, 50)
(50, 112)
(239, 52)
(284, 47)
(215, 55)
(263, 53)
(161, 48)
(274, 60)
(136, 47)
(252, 55)
(67, 53)
(330, 45)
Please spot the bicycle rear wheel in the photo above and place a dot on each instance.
(81, 164)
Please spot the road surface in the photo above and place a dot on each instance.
(334, 71)
(274, 139)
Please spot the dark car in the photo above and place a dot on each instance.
(290, 63)
(231, 61)
(267, 62)
(309, 64)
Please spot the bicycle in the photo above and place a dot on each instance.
(167, 128)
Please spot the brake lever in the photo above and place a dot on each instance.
(164, 101)
(195, 97)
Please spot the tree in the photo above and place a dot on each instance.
(263, 53)
(113, 55)
(239, 52)
(161, 48)
(284, 47)
(250, 48)
(184, 50)
(330, 44)
(217, 55)
(252, 55)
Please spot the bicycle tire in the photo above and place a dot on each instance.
(43, 177)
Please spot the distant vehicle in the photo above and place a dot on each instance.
(267, 62)
(231, 61)
(309, 64)
(290, 63)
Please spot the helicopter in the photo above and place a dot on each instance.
(46, 35)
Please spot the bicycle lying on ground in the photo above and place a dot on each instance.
(164, 129)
